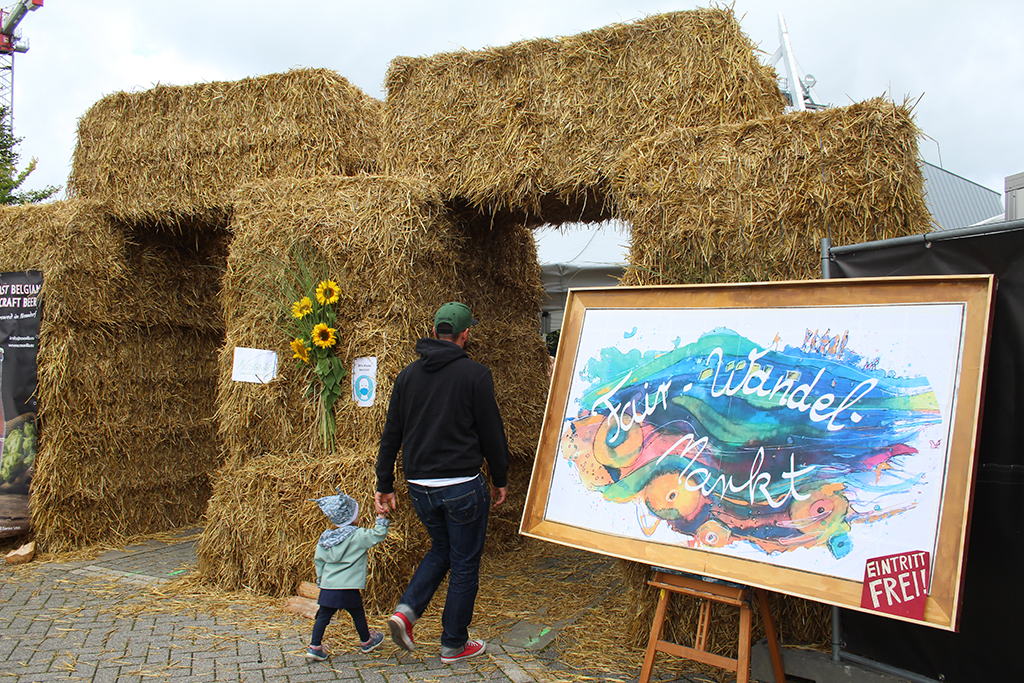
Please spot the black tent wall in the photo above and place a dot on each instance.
(992, 616)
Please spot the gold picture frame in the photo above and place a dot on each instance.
(690, 427)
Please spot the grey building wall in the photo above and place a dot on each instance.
(956, 202)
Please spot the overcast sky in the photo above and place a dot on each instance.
(962, 59)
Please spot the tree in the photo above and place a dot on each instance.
(10, 179)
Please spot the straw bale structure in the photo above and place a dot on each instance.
(126, 374)
(535, 126)
(751, 201)
(192, 204)
(173, 152)
(397, 253)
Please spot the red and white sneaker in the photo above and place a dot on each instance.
(471, 649)
(401, 631)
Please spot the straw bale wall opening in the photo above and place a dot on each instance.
(126, 371)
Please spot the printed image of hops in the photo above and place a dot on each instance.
(323, 336)
(327, 292)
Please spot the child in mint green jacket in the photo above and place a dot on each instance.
(340, 561)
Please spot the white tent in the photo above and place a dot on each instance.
(578, 255)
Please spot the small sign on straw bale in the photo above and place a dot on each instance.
(172, 152)
(751, 201)
(510, 127)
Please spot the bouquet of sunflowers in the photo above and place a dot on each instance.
(314, 343)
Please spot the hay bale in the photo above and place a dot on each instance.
(262, 526)
(170, 153)
(127, 440)
(751, 201)
(73, 247)
(139, 510)
(396, 253)
(97, 270)
(535, 126)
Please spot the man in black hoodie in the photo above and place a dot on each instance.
(444, 417)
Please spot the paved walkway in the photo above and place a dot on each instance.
(105, 620)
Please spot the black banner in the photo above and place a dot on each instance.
(19, 343)
(993, 596)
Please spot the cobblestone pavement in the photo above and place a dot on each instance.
(88, 621)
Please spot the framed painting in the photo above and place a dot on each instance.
(778, 435)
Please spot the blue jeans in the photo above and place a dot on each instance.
(456, 519)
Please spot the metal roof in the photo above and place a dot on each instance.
(956, 202)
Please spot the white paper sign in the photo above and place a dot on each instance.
(254, 365)
(364, 381)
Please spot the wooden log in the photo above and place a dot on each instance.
(23, 554)
(304, 607)
(309, 590)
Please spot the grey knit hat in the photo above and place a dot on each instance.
(341, 509)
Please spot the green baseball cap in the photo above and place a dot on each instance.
(455, 314)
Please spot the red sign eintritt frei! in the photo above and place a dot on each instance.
(897, 584)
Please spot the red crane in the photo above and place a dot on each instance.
(11, 42)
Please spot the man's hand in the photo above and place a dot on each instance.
(498, 495)
(384, 502)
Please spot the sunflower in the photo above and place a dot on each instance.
(301, 350)
(302, 307)
(323, 336)
(327, 292)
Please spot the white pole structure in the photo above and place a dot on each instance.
(799, 86)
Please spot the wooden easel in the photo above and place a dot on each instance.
(709, 593)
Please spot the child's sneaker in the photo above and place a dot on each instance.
(376, 638)
(401, 631)
(317, 654)
(472, 648)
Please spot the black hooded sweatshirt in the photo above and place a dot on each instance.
(443, 416)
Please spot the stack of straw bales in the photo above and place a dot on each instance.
(198, 143)
(126, 374)
(393, 248)
(521, 126)
(751, 201)
(133, 265)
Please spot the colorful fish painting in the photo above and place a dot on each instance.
(729, 443)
